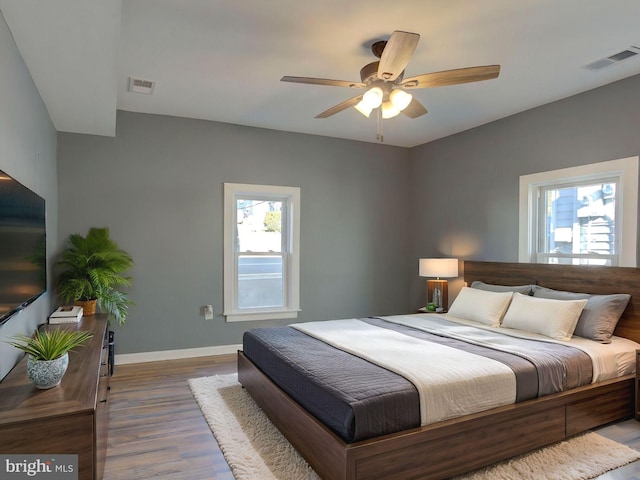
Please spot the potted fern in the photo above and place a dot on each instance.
(49, 354)
(93, 271)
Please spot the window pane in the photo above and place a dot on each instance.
(575, 260)
(261, 252)
(260, 281)
(259, 225)
(578, 220)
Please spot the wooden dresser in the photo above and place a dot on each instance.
(70, 418)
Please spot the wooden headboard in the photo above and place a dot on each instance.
(572, 278)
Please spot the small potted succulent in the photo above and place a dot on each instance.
(49, 354)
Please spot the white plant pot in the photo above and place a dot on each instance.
(47, 373)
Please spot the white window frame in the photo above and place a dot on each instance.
(625, 169)
(291, 263)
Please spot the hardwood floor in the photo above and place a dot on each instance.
(627, 432)
(156, 429)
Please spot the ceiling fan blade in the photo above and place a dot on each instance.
(452, 77)
(396, 54)
(323, 81)
(352, 102)
(415, 109)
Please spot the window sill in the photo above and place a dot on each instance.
(264, 315)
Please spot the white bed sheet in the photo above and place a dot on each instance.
(610, 360)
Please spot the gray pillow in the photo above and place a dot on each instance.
(599, 316)
(489, 287)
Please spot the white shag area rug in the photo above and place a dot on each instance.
(255, 449)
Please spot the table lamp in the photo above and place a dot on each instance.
(438, 289)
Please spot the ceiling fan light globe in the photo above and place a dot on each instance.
(373, 97)
(389, 110)
(363, 108)
(400, 99)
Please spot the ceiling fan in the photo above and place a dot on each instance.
(385, 82)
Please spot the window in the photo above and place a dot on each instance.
(583, 215)
(261, 252)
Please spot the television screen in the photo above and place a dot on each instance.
(23, 246)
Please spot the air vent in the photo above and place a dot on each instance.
(138, 85)
(623, 55)
(613, 59)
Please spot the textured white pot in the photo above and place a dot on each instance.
(47, 373)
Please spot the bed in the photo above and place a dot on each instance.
(452, 446)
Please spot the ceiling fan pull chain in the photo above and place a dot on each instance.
(379, 134)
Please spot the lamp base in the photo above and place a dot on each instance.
(438, 288)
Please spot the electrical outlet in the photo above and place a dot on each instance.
(207, 311)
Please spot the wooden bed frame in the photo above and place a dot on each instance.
(460, 445)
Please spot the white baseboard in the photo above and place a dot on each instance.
(142, 357)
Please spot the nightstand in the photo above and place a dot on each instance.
(424, 310)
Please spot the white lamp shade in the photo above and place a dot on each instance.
(439, 267)
(400, 99)
(389, 110)
(363, 108)
(373, 97)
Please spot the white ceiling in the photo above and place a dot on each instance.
(222, 60)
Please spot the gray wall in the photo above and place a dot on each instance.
(28, 146)
(158, 186)
(369, 211)
(466, 185)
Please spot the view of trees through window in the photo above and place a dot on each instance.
(260, 248)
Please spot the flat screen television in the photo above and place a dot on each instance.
(23, 246)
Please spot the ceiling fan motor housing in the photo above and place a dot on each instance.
(378, 47)
(369, 73)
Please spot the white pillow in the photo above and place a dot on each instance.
(481, 306)
(553, 318)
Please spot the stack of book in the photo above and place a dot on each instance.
(71, 314)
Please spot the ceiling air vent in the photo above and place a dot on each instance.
(612, 59)
(138, 85)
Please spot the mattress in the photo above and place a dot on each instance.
(359, 399)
